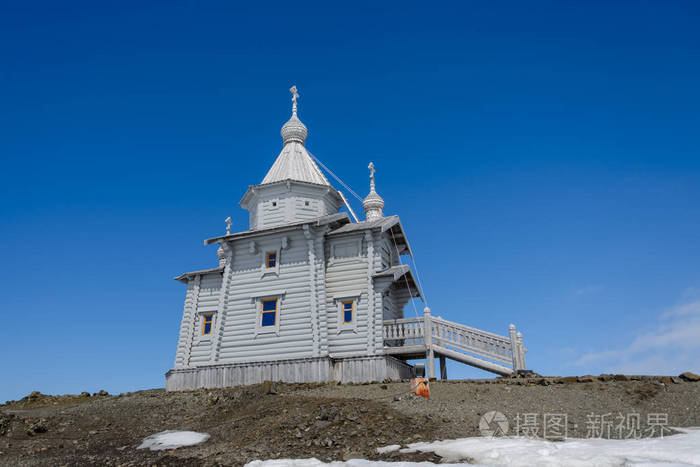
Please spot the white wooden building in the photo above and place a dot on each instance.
(308, 295)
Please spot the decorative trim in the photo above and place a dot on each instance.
(275, 248)
(339, 303)
(200, 338)
(258, 301)
(268, 294)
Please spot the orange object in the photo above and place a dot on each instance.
(419, 387)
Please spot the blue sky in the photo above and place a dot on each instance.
(543, 157)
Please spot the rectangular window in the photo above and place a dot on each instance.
(347, 312)
(206, 324)
(271, 259)
(269, 313)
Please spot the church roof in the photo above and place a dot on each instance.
(402, 276)
(385, 224)
(295, 163)
(201, 272)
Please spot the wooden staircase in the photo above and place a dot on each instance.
(407, 339)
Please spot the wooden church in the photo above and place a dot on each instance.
(306, 294)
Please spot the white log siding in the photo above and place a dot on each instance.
(346, 278)
(207, 303)
(239, 341)
(272, 212)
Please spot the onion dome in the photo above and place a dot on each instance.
(373, 203)
(294, 130)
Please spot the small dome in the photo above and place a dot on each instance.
(373, 205)
(294, 130)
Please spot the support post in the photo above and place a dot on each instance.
(514, 349)
(443, 367)
(428, 340)
(521, 350)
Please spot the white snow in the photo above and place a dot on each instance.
(173, 439)
(677, 450)
(681, 449)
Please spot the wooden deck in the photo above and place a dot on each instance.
(406, 339)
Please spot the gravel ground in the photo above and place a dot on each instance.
(589, 407)
(329, 422)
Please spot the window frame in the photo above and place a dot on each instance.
(341, 324)
(263, 251)
(258, 301)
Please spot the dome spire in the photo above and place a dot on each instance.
(373, 203)
(294, 130)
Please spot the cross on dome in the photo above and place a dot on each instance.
(295, 96)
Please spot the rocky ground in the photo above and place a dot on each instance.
(329, 422)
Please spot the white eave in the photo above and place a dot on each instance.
(402, 276)
(333, 219)
(253, 188)
(184, 277)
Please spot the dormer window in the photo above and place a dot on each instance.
(271, 260)
(274, 204)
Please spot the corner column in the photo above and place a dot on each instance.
(428, 340)
(514, 349)
(370, 293)
(316, 344)
(227, 259)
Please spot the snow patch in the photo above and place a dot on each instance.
(390, 448)
(682, 449)
(173, 439)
